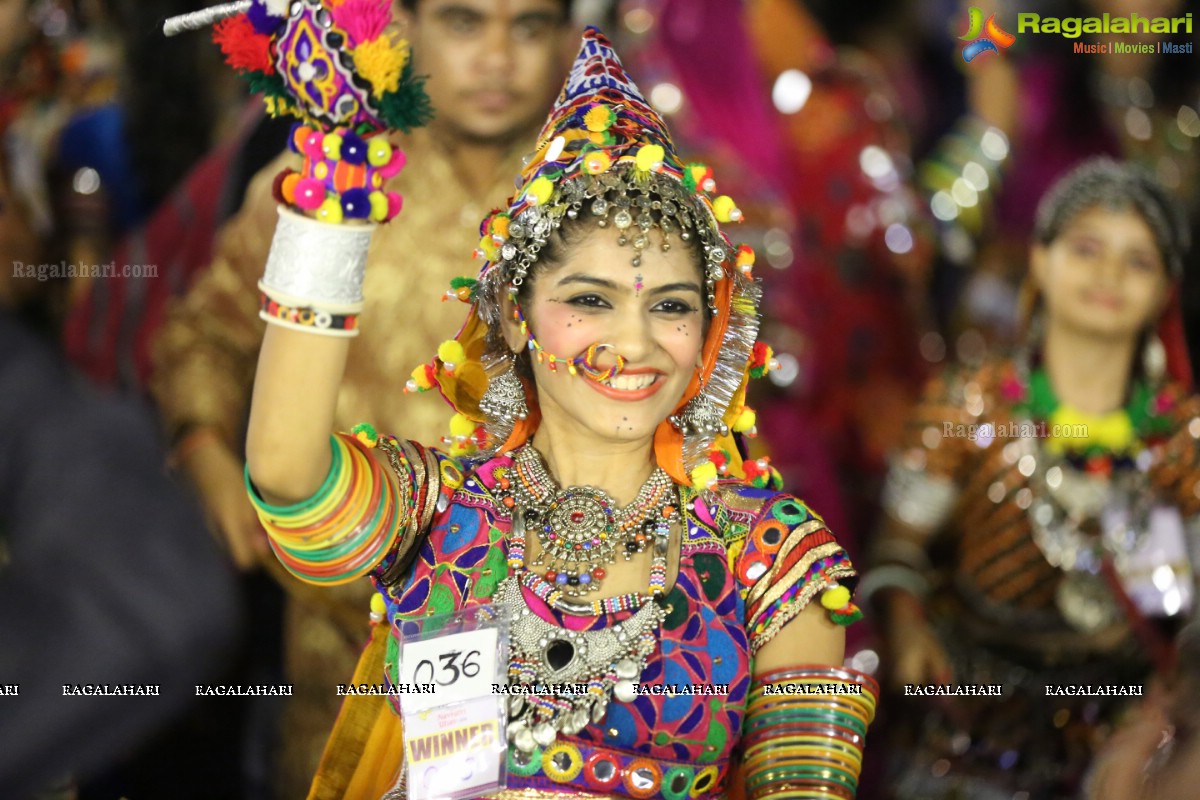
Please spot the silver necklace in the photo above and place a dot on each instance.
(567, 677)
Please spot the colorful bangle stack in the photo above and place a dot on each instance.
(805, 730)
(347, 527)
(427, 479)
(960, 178)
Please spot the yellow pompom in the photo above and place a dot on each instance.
(597, 162)
(725, 210)
(420, 378)
(451, 353)
(704, 476)
(835, 598)
(650, 156)
(488, 247)
(461, 427)
(332, 146)
(540, 190)
(330, 211)
(598, 118)
(378, 604)
(379, 206)
(321, 171)
(382, 63)
(745, 420)
(379, 152)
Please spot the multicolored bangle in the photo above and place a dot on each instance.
(804, 732)
(307, 318)
(347, 527)
(960, 179)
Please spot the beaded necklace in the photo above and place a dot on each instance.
(577, 528)
(609, 660)
(1092, 469)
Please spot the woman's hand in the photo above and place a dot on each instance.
(916, 654)
(994, 91)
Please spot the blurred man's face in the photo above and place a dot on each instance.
(494, 66)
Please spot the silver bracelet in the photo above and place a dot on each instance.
(318, 263)
(918, 499)
(891, 576)
(893, 550)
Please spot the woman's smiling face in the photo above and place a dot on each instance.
(652, 315)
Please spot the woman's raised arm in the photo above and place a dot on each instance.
(291, 413)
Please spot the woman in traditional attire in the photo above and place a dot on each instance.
(592, 491)
(1042, 513)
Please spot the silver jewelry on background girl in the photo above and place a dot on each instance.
(1154, 359)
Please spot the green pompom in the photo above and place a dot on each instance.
(270, 86)
(408, 107)
(365, 433)
(848, 618)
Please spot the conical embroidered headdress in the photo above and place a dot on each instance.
(605, 153)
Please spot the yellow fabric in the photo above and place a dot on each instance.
(362, 754)
(1112, 432)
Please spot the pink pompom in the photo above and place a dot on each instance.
(394, 165)
(310, 193)
(363, 20)
(395, 203)
(313, 145)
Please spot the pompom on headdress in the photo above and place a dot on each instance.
(605, 153)
(340, 67)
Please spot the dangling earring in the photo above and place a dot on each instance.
(504, 400)
(700, 416)
(1154, 359)
(1031, 344)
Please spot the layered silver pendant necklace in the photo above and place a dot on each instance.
(563, 679)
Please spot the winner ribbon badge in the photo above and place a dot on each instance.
(454, 737)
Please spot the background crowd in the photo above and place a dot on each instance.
(888, 185)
